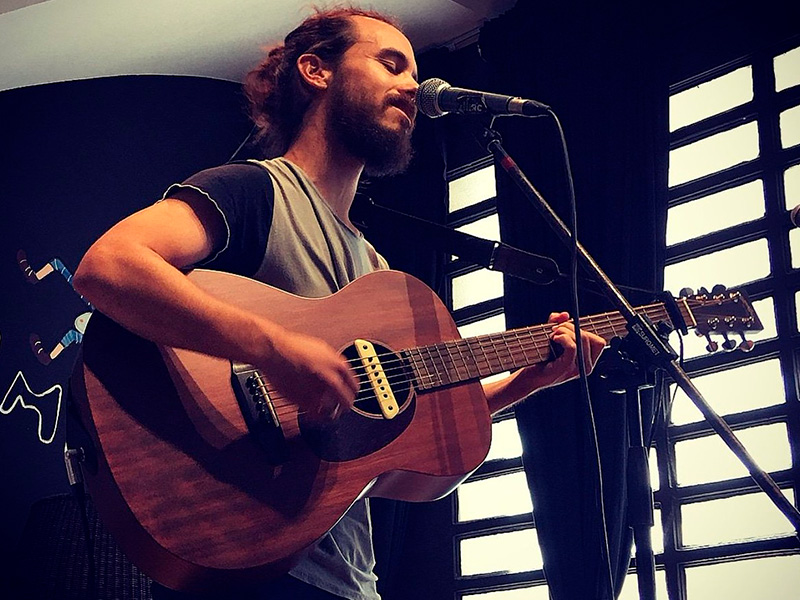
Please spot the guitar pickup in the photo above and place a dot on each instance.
(377, 378)
(259, 412)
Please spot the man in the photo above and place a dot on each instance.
(335, 101)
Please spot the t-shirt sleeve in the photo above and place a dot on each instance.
(243, 193)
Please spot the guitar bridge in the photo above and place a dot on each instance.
(259, 411)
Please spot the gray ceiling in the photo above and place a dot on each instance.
(56, 40)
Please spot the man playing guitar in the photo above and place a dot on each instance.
(334, 101)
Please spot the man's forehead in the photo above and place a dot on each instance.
(382, 35)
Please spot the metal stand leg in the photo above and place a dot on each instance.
(640, 497)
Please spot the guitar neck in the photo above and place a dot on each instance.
(457, 361)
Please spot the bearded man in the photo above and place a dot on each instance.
(334, 101)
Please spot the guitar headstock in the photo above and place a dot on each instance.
(721, 312)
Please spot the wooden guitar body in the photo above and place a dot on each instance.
(202, 495)
(195, 501)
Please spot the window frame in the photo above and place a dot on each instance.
(781, 284)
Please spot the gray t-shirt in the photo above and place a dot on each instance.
(282, 232)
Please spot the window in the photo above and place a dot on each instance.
(734, 174)
(494, 535)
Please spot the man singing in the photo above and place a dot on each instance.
(334, 101)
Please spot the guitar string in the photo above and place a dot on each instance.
(493, 338)
(613, 321)
(490, 339)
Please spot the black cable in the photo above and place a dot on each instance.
(243, 144)
(581, 366)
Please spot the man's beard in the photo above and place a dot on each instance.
(356, 125)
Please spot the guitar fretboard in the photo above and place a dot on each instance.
(457, 361)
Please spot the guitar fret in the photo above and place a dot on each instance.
(476, 346)
(449, 363)
(432, 360)
(497, 363)
(491, 355)
(475, 362)
(611, 324)
(459, 344)
(443, 363)
(539, 356)
(427, 380)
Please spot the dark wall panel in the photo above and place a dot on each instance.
(75, 157)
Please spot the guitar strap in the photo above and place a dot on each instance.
(493, 255)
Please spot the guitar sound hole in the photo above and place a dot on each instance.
(363, 430)
(397, 372)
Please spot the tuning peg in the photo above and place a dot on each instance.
(686, 292)
(746, 344)
(702, 291)
(712, 345)
(718, 289)
(728, 344)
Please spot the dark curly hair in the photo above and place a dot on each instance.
(276, 93)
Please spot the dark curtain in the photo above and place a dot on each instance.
(601, 72)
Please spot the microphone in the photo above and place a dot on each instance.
(794, 216)
(436, 98)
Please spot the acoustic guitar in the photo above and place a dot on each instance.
(208, 479)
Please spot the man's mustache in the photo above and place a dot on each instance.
(407, 105)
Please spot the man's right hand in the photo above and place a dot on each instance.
(309, 373)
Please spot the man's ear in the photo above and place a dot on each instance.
(314, 71)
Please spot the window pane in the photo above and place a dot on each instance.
(487, 228)
(506, 442)
(733, 391)
(471, 189)
(713, 154)
(787, 70)
(656, 535)
(776, 578)
(655, 480)
(494, 324)
(539, 592)
(694, 346)
(711, 98)
(790, 127)
(501, 496)
(630, 589)
(512, 552)
(791, 185)
(476, 287)
(731, 519)
(717, 211)
(797, 311)
(794, 247)
(730, 267)
(709, 459)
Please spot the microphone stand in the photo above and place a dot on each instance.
(641, 333)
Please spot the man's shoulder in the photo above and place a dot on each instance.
(235, 178)
(248, 169)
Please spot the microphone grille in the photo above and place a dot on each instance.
(427, 97)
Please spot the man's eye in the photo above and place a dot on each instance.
(390, 65)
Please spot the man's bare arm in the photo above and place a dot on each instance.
(133, 275)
